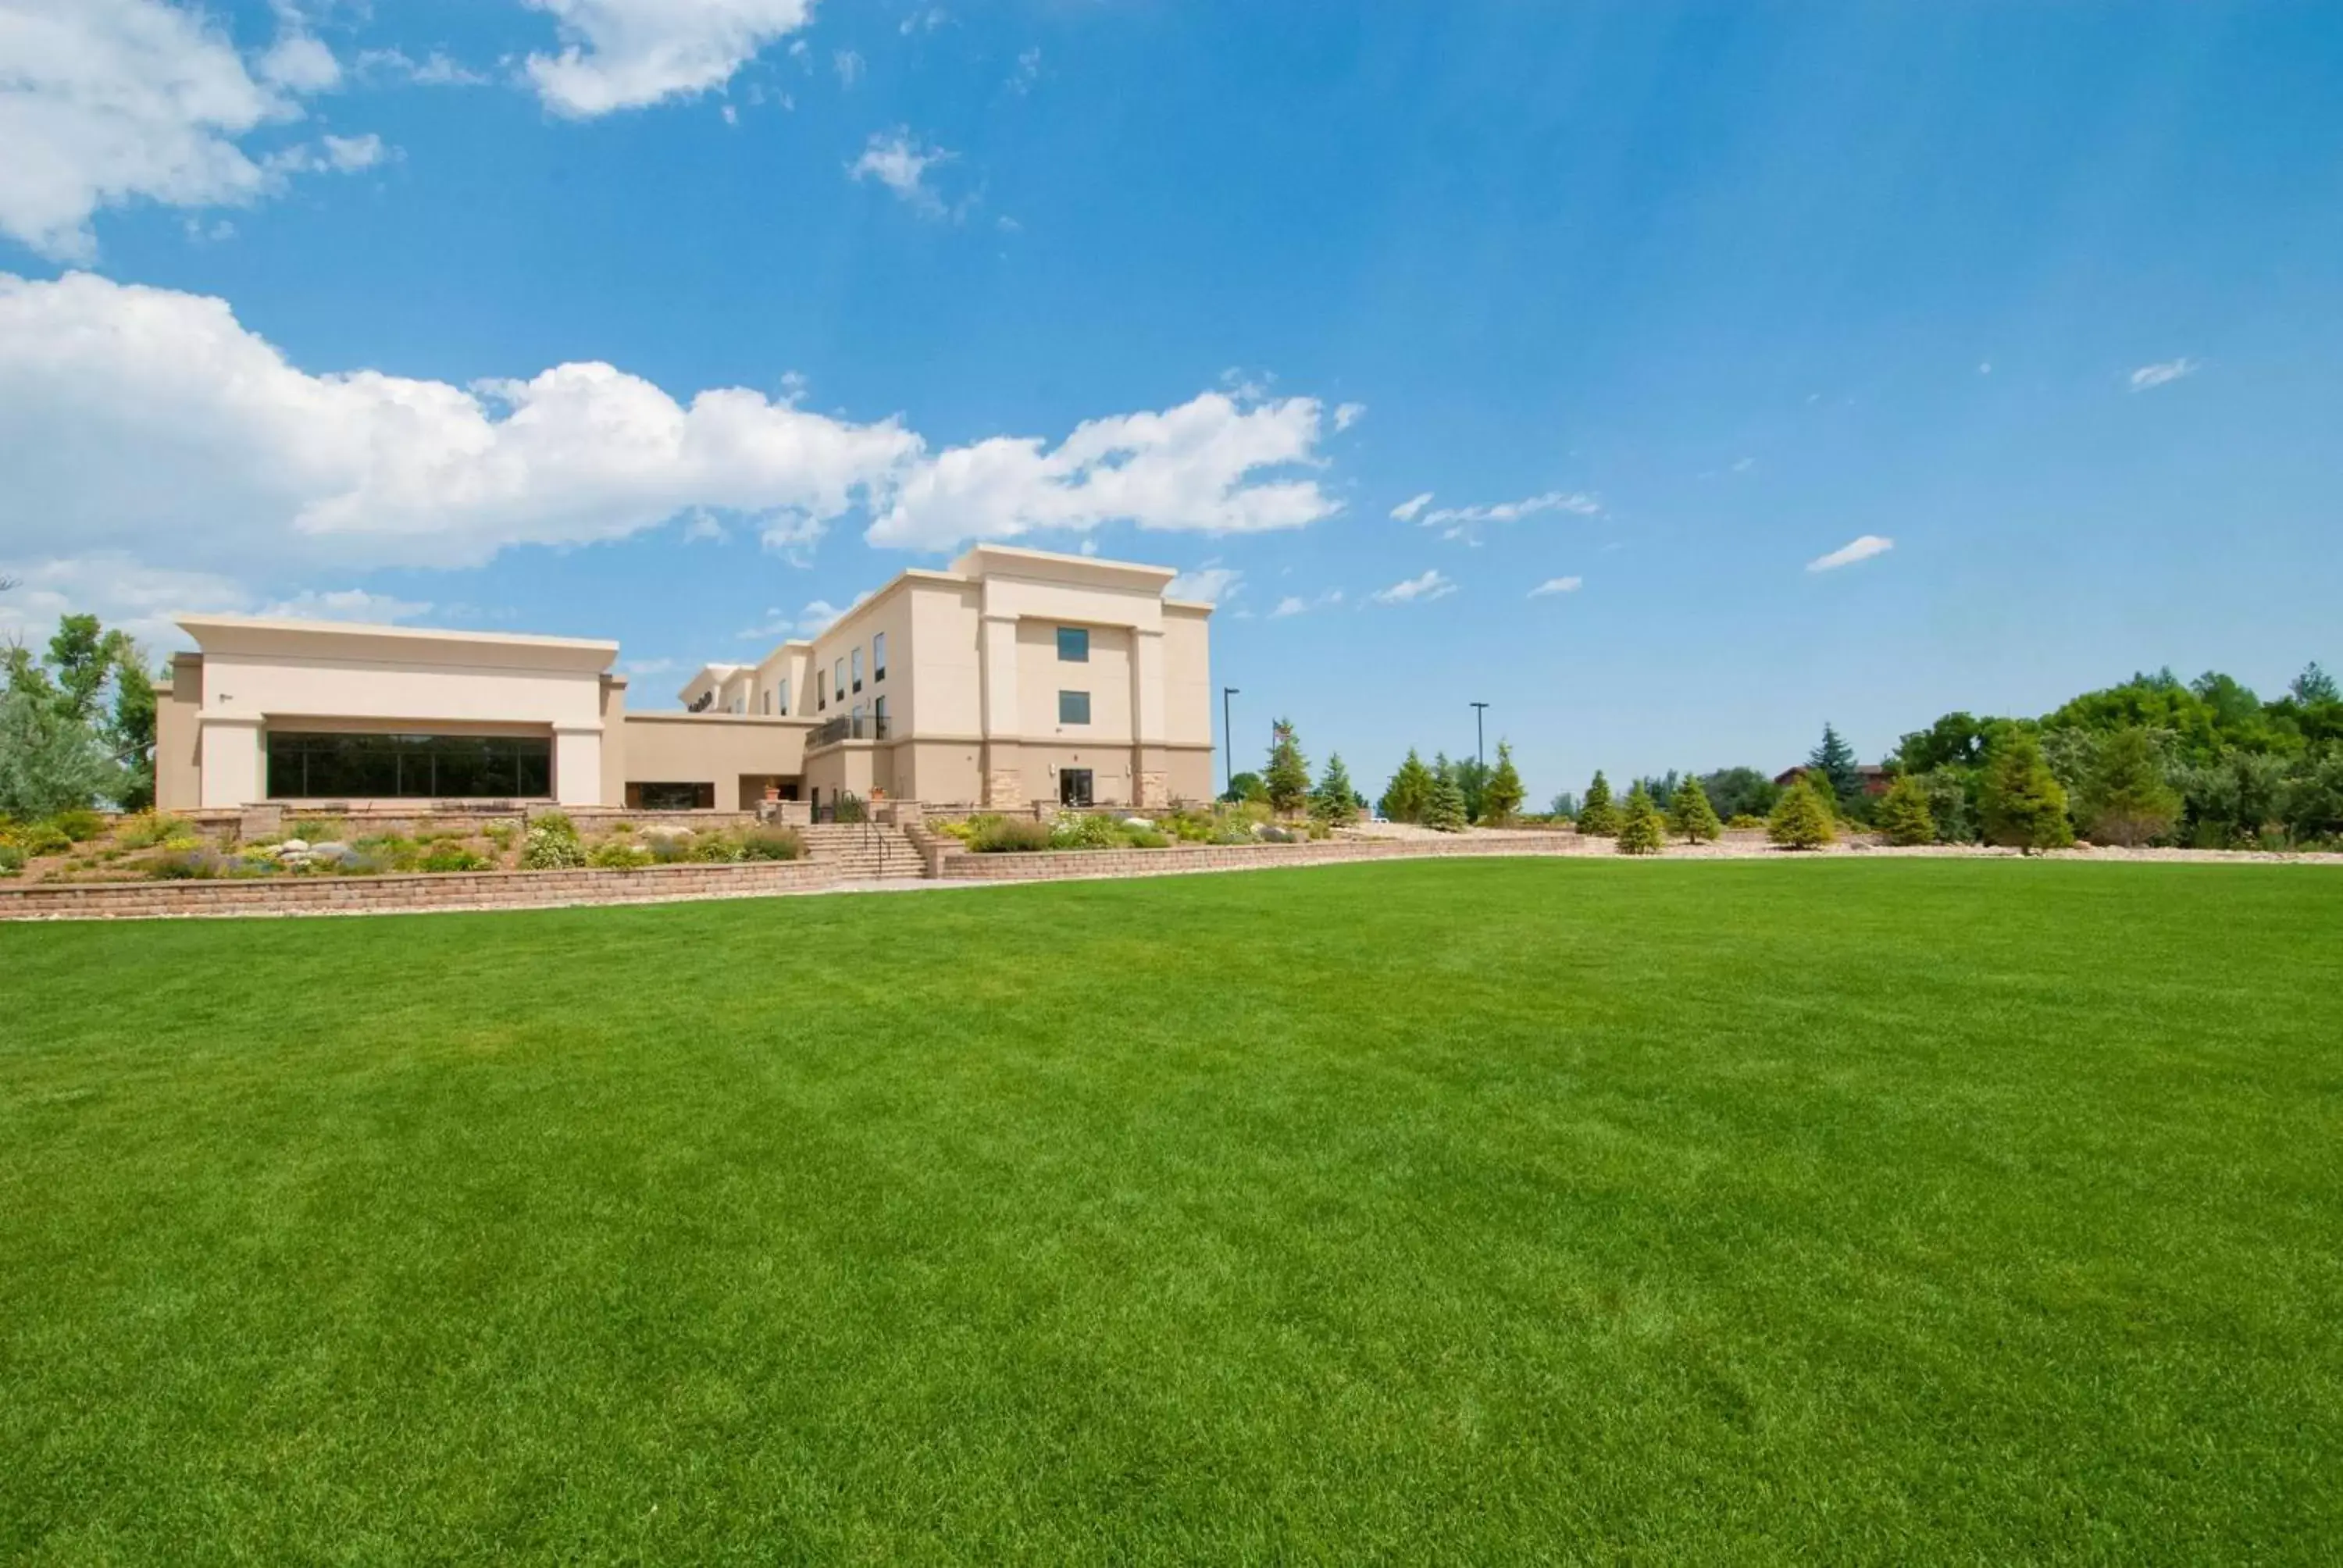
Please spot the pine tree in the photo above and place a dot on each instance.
(1410, 791)
(1690, 816)
(1903, 814)
(2024, 806)
(1335, 802)
(1501, 802)
(2125, 801)
(1287, 776)
(1642, 829)
(1445, 809)
(1800, 820)
(1597, 816)
(1834, 760)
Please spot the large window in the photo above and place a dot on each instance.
(1074, 644)
(878, 658)
(333, 767)
(781, 699)
(1073, 707)
(858, 669)
(837, 680)
(821, 690)
(671, 797)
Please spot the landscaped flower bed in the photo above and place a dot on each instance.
(1225, 824)
(85, 847)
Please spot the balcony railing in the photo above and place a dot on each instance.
(866, 727)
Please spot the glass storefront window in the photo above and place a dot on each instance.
(326, 766)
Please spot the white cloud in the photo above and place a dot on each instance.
(1294, 604)
(649, 667)
(897, 160)
(703, 525)
(1200, 467)
(818, 616)
(2149, 376)
(330, 155)
(626, 53)
(1985, 367)
(849, 66)
(1027, 72)
(1555, 586)
(1431, 586)
(1347, 414)
(107, 102)
(119, 589)
(1461, 522)
(1406, 510)
(349, 604)
(926, 21)
(1210, 583)
(134, 417)
(433, 70)
(300, 64)
(1854, 550)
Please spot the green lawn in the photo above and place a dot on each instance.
(1888, 1211)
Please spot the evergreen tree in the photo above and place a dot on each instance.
(2125, 801)
(1410, 790)
(2314, 685)
(1598, 817)
(1287, 776)
(1472, 782)
(1800, 820)
(1690, 816)
(1834, 760)
(1445, 809)
(1502, 800)
(1642, 829)
(1335, 802)
(2023, 805)
(1903, 814)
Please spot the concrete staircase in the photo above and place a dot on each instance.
(864, 851)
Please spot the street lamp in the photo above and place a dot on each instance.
(1229, 736)
(1480, 753)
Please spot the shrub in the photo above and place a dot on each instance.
(186, 865)
(1743, 822)
(1642, 829)
(615, 855)
(849, 808)
(318, 829)
(149, 828)
(553, 845)
(1145, 839)
(1690, 816)
(79, 826)
(43, 839)
(713, 850)
(499, 835)
(451, 857)
(1903, 814)
(1008, 835)
(11, 859)
(771, 844)
(1800, 820)
(1597, 817)
(1073, 830)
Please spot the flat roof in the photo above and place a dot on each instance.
(358, 640)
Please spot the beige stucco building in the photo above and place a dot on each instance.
(1015, 677)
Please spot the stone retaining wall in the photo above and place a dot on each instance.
(1051, 865)
(424, 891)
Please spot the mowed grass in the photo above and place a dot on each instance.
(1885, 1211)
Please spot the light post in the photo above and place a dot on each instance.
(1229, 738)
(1480, 753)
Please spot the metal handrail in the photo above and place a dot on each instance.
(830, 732)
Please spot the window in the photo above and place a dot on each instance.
(333, 767)
(858, 669)
(656, 797)
(1074, 786)
(837, 680)
(821, 690)
(878, 658)
(781, 699)
(1073, 707)
(1073, 645)
(879, 713)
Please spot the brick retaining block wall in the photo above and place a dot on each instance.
(1053, 864)
(418, 890)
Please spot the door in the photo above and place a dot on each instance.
(1073, 785)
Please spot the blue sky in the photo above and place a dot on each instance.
(408, 311)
